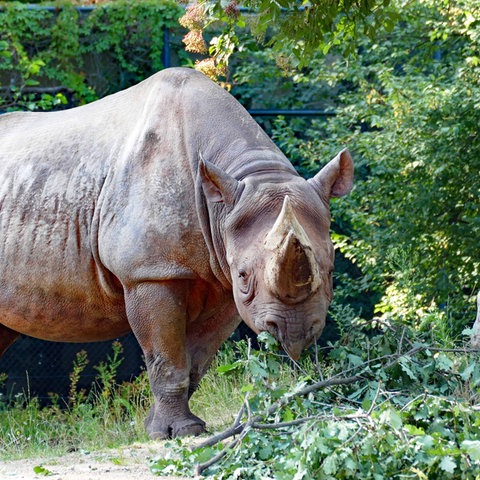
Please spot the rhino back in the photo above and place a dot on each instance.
(154, 206)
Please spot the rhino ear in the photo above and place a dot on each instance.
(335, 179)
(218, 186)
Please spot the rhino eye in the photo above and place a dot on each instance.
(330, 275)
(246, 285)
(242, 274)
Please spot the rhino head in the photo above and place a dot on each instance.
(275, 246)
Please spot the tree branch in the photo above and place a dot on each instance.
(50, 90)
(201, 467)
(236, 429)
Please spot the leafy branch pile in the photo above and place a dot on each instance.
(383, 402)
(45, 55)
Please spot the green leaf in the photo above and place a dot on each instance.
(256, 368)
(330, 465)
(287, 415)
(472, 447)
(448, 464)
(265, 452)
(467, 373)
(427, 441)
(443, 362)
(40, 470)
(404, 364)
(229, 367)
(391, 418)
(267, 339)
(414, 430)
(366, 404)
(355, 360)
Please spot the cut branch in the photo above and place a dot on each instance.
(243, 428)
(240, 427)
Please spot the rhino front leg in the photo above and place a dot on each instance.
(157, 315)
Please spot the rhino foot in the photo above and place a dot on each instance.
(162, 427)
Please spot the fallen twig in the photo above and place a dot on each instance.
(235, 429)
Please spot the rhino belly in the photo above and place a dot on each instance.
(44, 296)
(49, 315)
(50, 285)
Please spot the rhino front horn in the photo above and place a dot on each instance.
(291, 272)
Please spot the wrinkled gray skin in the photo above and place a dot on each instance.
(161, 209)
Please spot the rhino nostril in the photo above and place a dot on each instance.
(272, 327)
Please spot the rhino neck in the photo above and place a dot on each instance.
(258, 163)
(241, 159)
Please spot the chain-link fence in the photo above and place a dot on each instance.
(39, 368)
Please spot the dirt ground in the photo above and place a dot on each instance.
(127, 463)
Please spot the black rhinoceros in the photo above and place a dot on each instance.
(166, 210)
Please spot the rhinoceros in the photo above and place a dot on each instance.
(164, 210)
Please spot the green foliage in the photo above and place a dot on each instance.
(299, 28)
(384, 402)
(410, 113)
(43, 50)
(79, 364)
(107, 371)
(40, 470)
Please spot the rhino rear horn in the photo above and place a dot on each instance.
(292, 271)
(335, 179)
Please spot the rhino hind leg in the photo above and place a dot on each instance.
(205, 339)
(157, 314)
(7, 337)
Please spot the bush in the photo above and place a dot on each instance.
(51, 57)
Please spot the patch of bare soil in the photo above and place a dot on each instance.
(124, 463)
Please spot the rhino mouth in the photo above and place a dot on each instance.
(292, 347)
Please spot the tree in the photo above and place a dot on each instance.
(51, 57)
(302, 28)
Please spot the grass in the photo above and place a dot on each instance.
(28, 430)
(107, 416)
